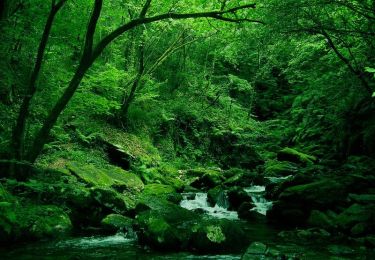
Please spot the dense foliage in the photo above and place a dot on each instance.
(156, 87)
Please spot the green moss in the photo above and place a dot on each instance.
(215, 234)
(28, 222)
(290, 154)
(117, 222)
(110, 177)
(160, 191)
(279, 168)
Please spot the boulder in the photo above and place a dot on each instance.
(255, 251)
(217, 236)
(112, 177)
(116, 222)
(323, 220)
(206, 178)
(280, 168)
(322, 194)
(110, 199)
(166, 226)
(292, 155)
(236, 197)
(245, 211)
(356, 214)
(32, 222)
(160, 191)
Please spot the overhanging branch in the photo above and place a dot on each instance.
(218, 15)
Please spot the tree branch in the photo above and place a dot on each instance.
(145, 9)
(89, 41)
(219, 15)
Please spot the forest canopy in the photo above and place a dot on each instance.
(213, 95)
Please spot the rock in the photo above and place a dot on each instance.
(236, 197)
(273, 190)
(370, 241)
(320, 219)
(359, 229)
(206, 178)
(280, 168)
(292, 155)
(313, 234)
(116, 222)
(32, 222)
(110, 199)
(245, 212)
(322, 194)
(340, 250)
(255, 251)
(287, 214)
(356, 214)
(362, 198)
(119, 155)
(213, 194)
(161, 191)
(166, 226)
(112, 177)
(217, 236)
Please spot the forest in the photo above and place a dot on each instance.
(187, 129)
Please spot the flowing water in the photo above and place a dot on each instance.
(257, 196)
(125, 246)
(199, 201)
(118, 246)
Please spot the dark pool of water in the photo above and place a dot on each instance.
(120, 247)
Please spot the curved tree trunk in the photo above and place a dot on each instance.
(18, 137)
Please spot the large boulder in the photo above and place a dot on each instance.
(30, 222)
(113, 177)
(321, 194)
(166, 226)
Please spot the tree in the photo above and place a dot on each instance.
(90, 53)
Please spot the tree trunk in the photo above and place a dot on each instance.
(85, 63)
(18, 137)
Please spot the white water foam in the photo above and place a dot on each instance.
(200, 202)
(95, 241)
(257, 196)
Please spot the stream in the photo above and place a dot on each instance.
(125, 246)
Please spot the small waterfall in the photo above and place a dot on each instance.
(257, 196)
(200, 202)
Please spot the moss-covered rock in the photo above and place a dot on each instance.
(212, 236)
(116, 222)
(293, 155)
(30, 222)
(166, 226)
(160, 191)
(325, 220)
(111, 177)
(110, 199)
(279, 168)
(206, 178)
(356, 214)
(320, 194)
(256, 250)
